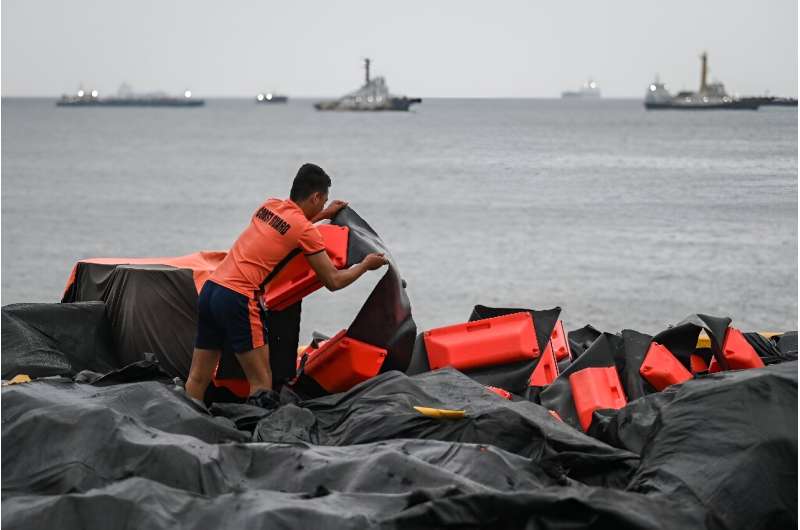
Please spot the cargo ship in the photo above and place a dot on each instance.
(126, 98)
(711, 96)
(372, 96)
(589, 90)
(268, 98)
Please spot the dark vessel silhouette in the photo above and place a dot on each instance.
(711, 96)
(126, 98)
(589, 90)
(373, 96)
(269, 98)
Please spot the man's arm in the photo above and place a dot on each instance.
(330, 212)
(334, 279)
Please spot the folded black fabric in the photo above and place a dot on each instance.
(715, 452)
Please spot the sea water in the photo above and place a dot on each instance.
(622, 217)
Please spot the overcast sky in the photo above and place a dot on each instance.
(426, 48)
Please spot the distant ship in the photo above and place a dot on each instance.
(589, 90)
(270, 97)
(126, 98)
(373, 96)
(711, 96)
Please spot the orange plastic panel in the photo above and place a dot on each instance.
(738, 352)
(311, 351)
(343, 362)
(546, 370)
(661, 369)
(698, 363)
(240, 387)
(487, 342)
(297, 279)
(558, 340)
(593, 389)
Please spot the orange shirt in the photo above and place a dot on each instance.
(277, 228)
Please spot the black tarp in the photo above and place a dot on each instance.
(727, 441)
(128, 449)
(385, 318)
(717, 452)
(581, 339)
(151, 309)
(39, 340)
(776, 349)
(89, 282)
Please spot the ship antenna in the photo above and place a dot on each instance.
(703, 72)
(366, 70)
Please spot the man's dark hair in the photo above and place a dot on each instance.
(310, 179)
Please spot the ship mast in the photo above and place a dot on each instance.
(366, 71)
(703, 72)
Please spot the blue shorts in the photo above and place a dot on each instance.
(228, 321)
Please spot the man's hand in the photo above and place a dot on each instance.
(331, 210)
(335, 279)
(374, 261)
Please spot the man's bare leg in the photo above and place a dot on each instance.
(255, 364)
(203, 364)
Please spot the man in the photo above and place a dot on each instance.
(229, 317)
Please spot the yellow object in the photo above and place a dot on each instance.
(443, 414)
(704, 341)
(20, 378)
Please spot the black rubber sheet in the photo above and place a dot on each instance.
(126, 449)
(385, 318)
(151, 309)
(39, 340)
(137, 453)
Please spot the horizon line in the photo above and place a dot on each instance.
(229, 96)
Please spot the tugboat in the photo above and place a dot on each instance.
(373, 96)
(589, 90)
(268, 98)
(126, 98)
(711, 96)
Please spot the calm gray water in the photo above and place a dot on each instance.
(624, 218)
